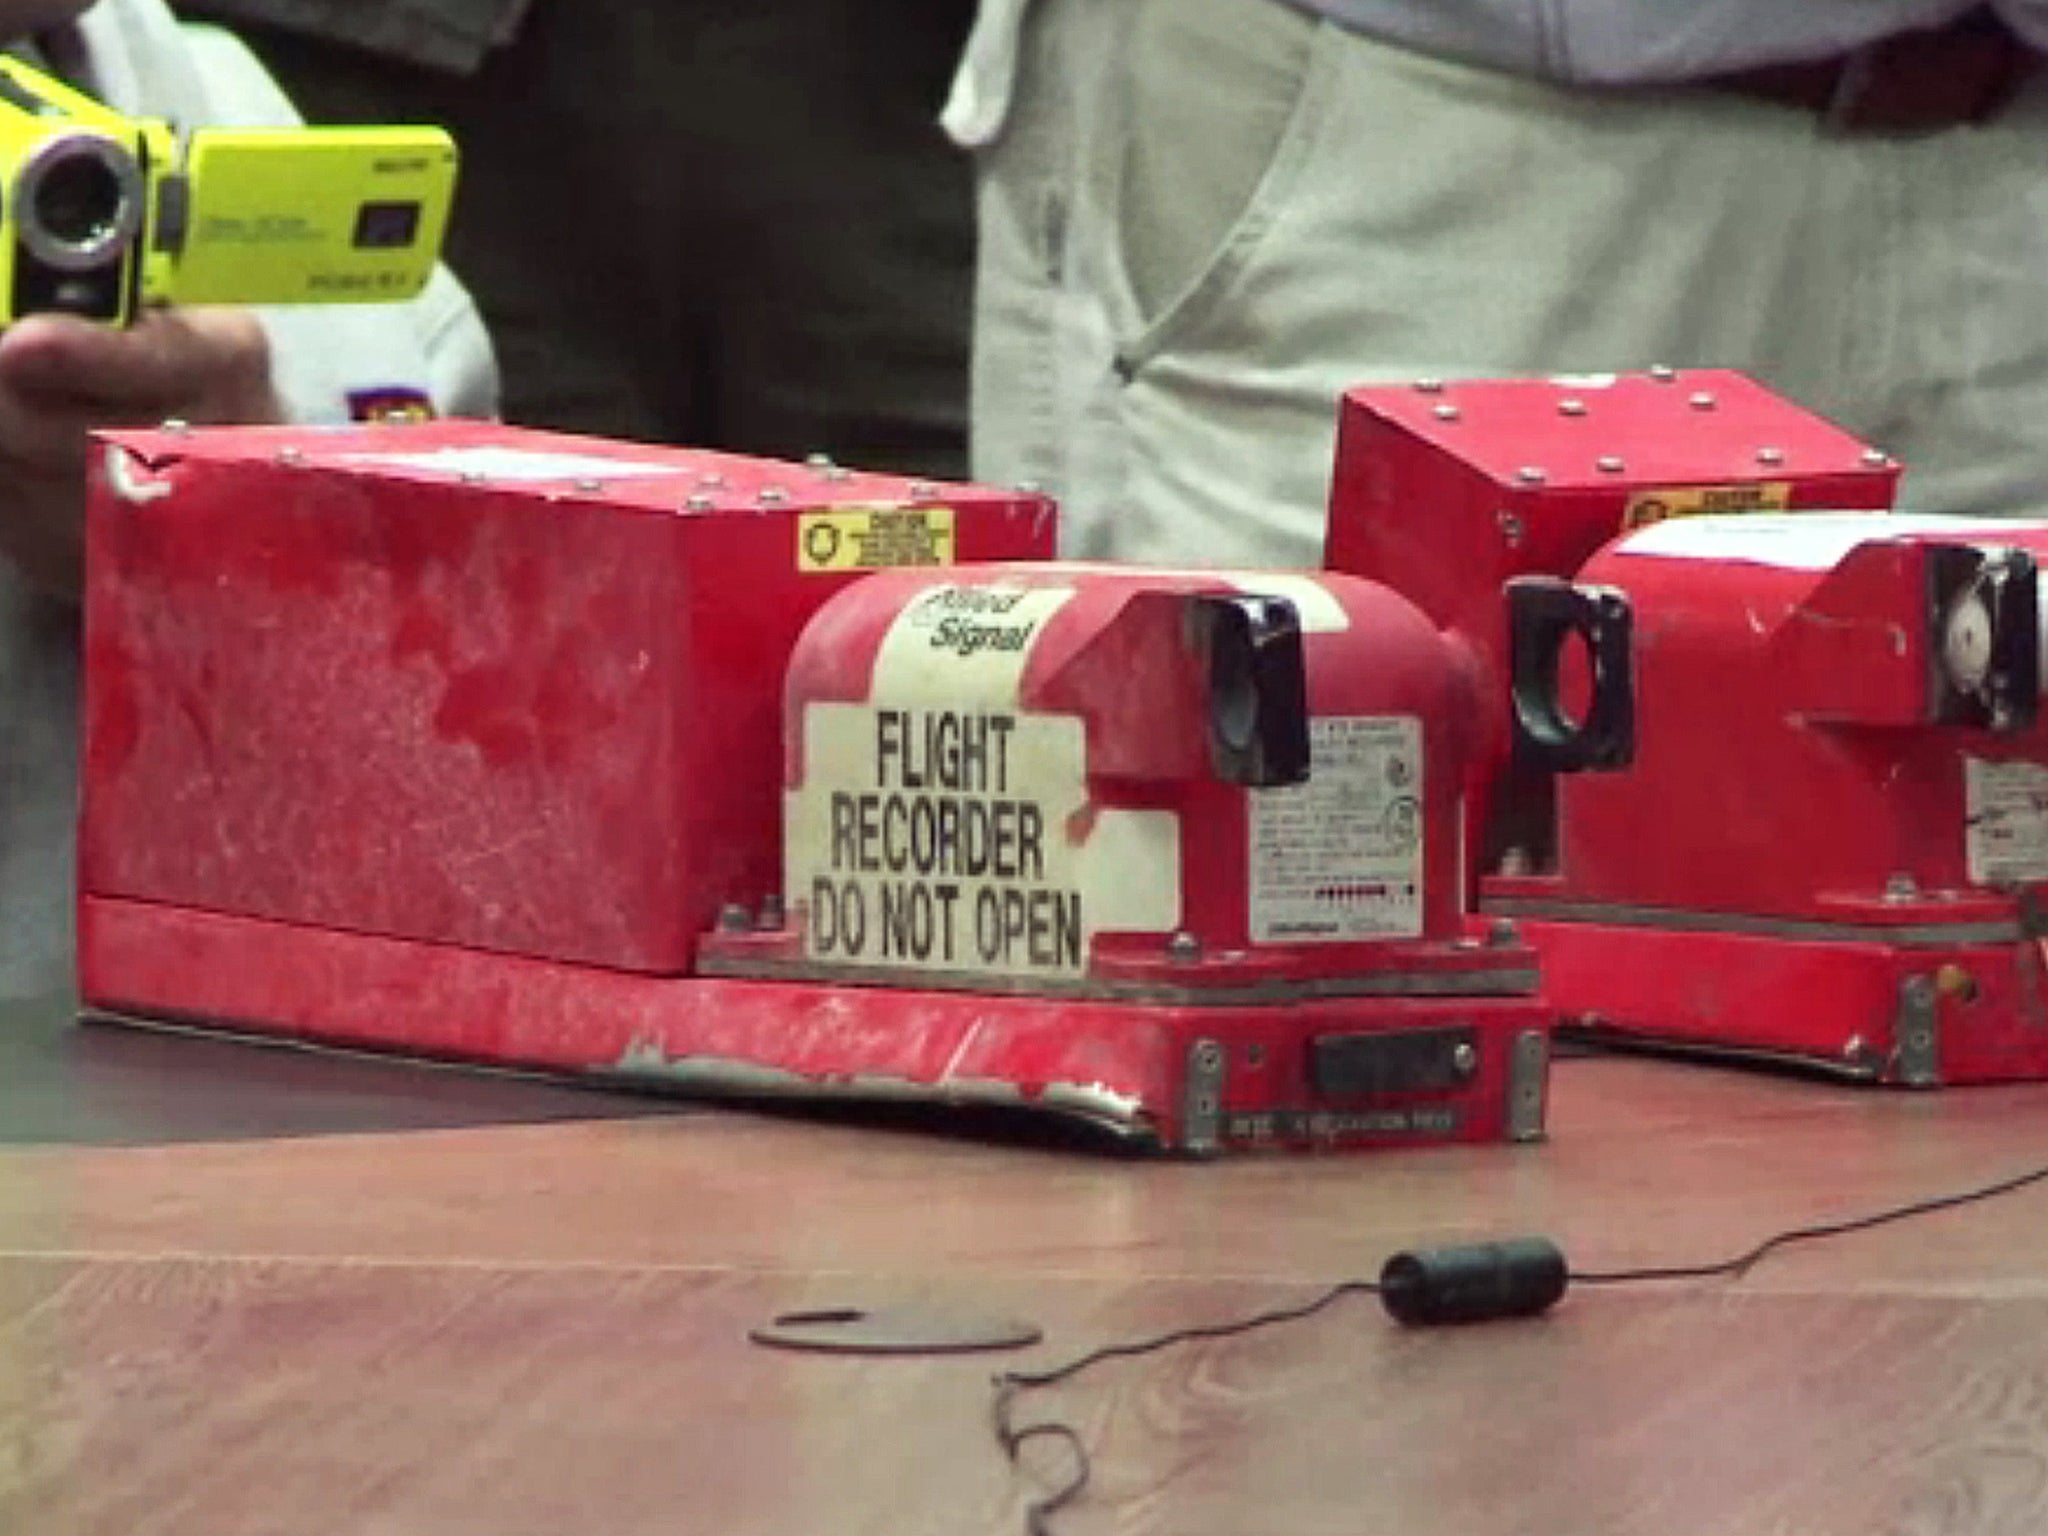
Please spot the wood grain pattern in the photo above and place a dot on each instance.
(383, 1303)
(235, 1399)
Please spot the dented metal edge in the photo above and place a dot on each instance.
(133, 477)
(1097, 1104)
(1607, 1035)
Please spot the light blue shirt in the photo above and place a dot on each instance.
(1588, 42)
(1619, 42)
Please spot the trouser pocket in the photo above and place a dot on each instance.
(1208, 98)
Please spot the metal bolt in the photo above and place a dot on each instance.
(176, 424)
(732, 918)
(773, 496)
(1184, 946)
(1875, 458)
(1429, 386)
(1530, 474)
(1901, 887)
(1208, 1055)
(1447, 412)
(1500, 933)
(1770, 455)
(291, 456)
(1510, 527)
(1571, 407)
(711, 478)
(1663, 373)
(1464, 1059)
(698, 502)
(818, 460)
(1854, 1046)
(1701, 401)
(1030, 488)
(1609, 464)
(587, 483)
(1515, 861)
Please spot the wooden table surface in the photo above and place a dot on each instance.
(257, 1292)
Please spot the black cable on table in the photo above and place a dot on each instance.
(1476, 1281)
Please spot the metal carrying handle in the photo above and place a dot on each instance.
(1543, 613)
(1258, 689)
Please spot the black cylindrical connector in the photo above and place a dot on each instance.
(1475, 1283)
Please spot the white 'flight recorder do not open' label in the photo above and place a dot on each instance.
(941, 827)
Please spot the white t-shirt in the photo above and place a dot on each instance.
(141, 60)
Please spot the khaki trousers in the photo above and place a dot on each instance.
(1204, 219)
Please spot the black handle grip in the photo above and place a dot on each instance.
(1543, 613)
(1258, 690)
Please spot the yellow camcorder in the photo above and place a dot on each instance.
(102, 214)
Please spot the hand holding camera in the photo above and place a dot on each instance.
(102, 215)
(123, 241)
(60, 377)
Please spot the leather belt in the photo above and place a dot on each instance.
(1911, 83)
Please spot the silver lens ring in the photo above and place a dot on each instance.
(102, 176)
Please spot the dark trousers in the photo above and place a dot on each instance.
(729, 223)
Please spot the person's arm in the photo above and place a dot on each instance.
(60, 377)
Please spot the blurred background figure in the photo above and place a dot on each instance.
(1202, 219)
(727, 223)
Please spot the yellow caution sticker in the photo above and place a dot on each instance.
(1646, 507)
(873, 538)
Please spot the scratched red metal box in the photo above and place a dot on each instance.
(1833, 841)
(1193, 1078)
(465, 683)
(1447, 491)
(1179, 842)
(1831, 836)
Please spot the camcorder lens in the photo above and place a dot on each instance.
(79, 201)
